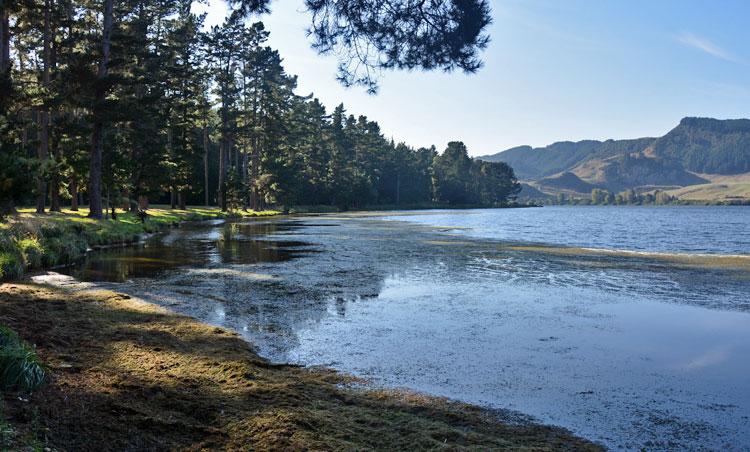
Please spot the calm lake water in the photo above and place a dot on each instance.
(629, 326)
(682, 229)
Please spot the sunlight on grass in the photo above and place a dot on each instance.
(30, 241)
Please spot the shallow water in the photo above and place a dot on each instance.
(632, 350)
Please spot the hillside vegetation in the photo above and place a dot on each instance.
(705, 145)
(535, 163)
(679, 159)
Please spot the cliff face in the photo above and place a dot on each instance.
(705, 145)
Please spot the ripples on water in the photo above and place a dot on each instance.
(493, 307)
(670, 229)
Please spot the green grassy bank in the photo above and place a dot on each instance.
(31, 241)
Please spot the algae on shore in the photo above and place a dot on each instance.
(130, 375)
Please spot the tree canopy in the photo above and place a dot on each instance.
(372, 35)
(122, 102)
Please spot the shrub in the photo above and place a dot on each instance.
(32, 252)
(11, 266)
(62, 250)
(19, 365)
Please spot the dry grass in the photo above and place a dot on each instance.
(127, 375)
(722, 188)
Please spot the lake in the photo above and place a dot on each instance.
(628, 325)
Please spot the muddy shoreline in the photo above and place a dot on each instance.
(127, 374)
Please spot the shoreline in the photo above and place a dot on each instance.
(33, 242)
(152, 378)
(196, 296)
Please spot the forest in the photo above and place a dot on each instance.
(122, 103)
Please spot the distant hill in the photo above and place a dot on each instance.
(683, 157)
(531, 193)
(705, 145)
(566, 182)
(536, 163)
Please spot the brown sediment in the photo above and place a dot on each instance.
(127, 375)
(740, 262)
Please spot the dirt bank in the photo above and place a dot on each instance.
(128, 375)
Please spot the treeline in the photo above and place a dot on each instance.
(116, 103)
(604, 197)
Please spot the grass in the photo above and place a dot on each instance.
(19, 366)
(20, 370)
(31, 241)
(714, 192)
(128, 375)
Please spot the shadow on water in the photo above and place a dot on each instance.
(195, 246)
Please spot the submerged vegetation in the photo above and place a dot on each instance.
(129, 375)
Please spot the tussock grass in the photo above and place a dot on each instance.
(19, 366)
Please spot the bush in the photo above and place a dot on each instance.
(11, 266)
(32, 252)
(62, 250)
(20, 368)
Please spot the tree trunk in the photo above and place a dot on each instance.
(54, 192)
(181, 200)
(43, 150)
(106, 205)
(254, 201)
(256, 151)
(224, 176)
(7, 208)
(73, 194)
(245, 185)
(205, 165)
(4, 41)
(223, 160)
(398, 189)
(172, 198)
(97, 136)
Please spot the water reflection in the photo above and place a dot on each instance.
(620, 347)
(194, 246)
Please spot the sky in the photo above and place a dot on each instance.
(554, 71)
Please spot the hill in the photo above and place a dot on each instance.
(566, 182)
(697, 146)
(536, 163)
(717, 189)
(706, 145)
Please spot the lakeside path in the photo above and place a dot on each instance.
(127, 375)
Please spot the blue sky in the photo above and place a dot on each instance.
(555, 70)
